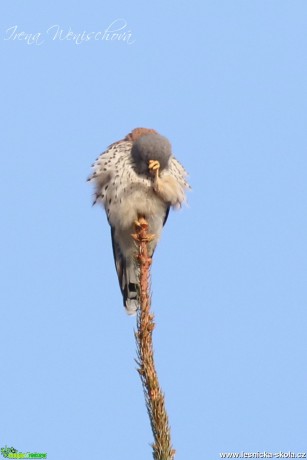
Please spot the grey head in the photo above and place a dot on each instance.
(150, 147)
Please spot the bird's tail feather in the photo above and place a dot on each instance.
(130, 287)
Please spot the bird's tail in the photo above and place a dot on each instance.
(130, 287)
(127, 272)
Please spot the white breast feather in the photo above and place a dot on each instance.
(126, 194)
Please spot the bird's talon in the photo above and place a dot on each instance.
(154, 165)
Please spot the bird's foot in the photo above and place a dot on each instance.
(154, 166)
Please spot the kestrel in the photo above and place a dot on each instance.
(137, 177)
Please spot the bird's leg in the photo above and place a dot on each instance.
(154, 166)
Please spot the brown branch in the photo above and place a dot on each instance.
(154, 398)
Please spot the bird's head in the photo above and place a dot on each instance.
(151, 152)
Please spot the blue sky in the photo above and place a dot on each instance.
(226, 83)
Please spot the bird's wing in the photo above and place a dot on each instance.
(118, 258)
(106, 166)
(166, 215)
(179, 173)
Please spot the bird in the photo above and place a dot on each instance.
(137, 177)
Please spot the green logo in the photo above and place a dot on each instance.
(11, 452)
(5, 451)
